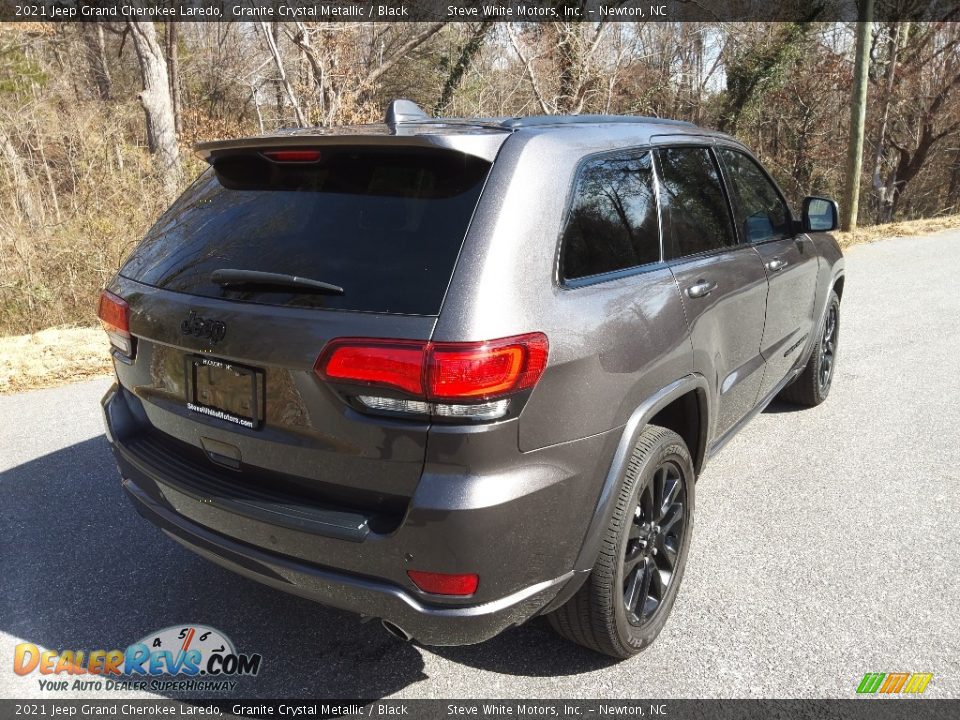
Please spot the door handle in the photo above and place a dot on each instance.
(776, 265)
(701, 288)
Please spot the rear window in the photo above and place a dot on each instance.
(385, 225)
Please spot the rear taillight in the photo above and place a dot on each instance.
(458, 371)
(378, 363)
(114, 314)
(471, 380)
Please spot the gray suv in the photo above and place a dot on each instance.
(457, 373)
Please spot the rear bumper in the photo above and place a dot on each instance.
(430, 625)
(492, 525)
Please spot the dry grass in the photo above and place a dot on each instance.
(52, 357)
(906, 228)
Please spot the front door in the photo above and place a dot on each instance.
(790, 261)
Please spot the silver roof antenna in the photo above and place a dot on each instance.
(404, 111)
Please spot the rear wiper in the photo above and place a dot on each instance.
(253, 278)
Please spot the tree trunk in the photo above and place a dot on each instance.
(750, 72)
(953, 190)
(23, 186)
(883, 200)
(282, 73)
(457, 72)
(157, 105)
(173, 72)
(858, 116)
(92, 34)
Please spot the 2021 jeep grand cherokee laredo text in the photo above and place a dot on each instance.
(457, 373)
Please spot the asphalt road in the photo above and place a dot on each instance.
(826, 542)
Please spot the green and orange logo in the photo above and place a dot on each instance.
(891, 683)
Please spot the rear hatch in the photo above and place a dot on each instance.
(223, 356)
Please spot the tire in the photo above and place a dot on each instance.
(597, 616)
(812, 386)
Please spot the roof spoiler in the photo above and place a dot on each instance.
(404, 111)
(401, 120)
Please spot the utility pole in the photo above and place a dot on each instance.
(858, 116)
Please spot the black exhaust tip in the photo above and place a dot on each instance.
(396, 630)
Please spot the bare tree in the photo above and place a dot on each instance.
(884, 193)
(282, 73)
(333, 52)
(157, 104)
(19, 178)
(756, 65)
(173, 71)
(92, 34)
(459, 68)
(926, 115)
(559, 60)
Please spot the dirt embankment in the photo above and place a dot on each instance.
(51, 357)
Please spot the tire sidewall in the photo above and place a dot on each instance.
(833, 307)
(819, 390)
(671, 448)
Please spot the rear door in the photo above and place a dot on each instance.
(764, 221)
(226, 372)
(723, 284)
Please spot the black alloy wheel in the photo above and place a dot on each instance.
(828, 348)
(654, 543)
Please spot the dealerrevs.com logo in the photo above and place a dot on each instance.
(186, 658)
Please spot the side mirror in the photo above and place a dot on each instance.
(820, 214)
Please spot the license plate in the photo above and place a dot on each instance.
(224, 390)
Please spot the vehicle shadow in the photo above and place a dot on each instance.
(532, 649)
(83, 571)
(778, 406)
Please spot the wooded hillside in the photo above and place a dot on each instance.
(97, 120)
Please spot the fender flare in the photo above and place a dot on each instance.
(821, 316)
(637, 421)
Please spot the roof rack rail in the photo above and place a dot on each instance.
(538, 120)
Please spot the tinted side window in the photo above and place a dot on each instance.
(694, 203)
(613, 222)
(761, 212)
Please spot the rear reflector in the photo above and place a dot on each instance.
(473, 371)
(114, 314)
(444, 584)
(292, 155)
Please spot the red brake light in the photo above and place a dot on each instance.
(444, 584)
(486, 369)
(438, 371)
(114, 313)
(395, 364)
(292, 155)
